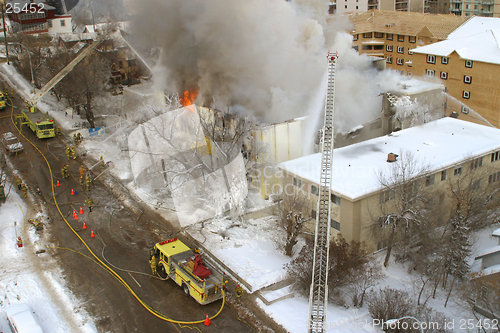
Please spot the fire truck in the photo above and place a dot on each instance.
(40, 123)
(2, 101)
(198, 278)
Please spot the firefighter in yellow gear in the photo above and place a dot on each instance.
(25, 190)
(153, 264)
(239, 292)
(73, 152)
(19, 182)
(68, 152)
(63, 170)
(103, 165)
(82, 171)
(58, 131)
(89, 203)
(11, 92)
(89, 182)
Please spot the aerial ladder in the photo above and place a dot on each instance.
(318, 296)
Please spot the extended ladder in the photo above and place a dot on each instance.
(318, 296)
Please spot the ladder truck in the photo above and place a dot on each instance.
(318, 295)
(40, 123)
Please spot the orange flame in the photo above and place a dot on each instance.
(189, 97)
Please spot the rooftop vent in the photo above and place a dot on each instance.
(391, 157)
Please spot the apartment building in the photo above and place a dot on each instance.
(486, 8)
(451, 149)
(393, 35)
(468, 65)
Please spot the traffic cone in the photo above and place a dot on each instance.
(84, 225)
(75, 217)
(58, 184)
(92, 233)
(207, 321)
(72, 192)
(81, 210)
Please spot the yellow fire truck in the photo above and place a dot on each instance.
(40, 123)
(201, 280)
(2, 101)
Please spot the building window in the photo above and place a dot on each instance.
(401, 49)
(400, 61)
(458, 170)
(475, 184)
(386, 196)
(412, 39)
(356, 6)
(465, 109)
(63, 23)
(367, 47)
(345, 5)
(378, 47)
(494, 177)
(430, 73)
(355, 37)
(429, 180)
(297, 182)
(335, 199)
(466, 94)
(49, 23)
(410, 51)
(120, 64)
(409, 73)
(468, 63)
(379, 35)
(401, 38)
(476, 163)
(467, 79)
(389, 36)
(388, 48)
(314, 190)
(431, 59)
(443, 175)
(388, 60)
(335, 225)
(444, 60)
(444, 75)
(495, 156)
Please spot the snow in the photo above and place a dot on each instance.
(24, 281)
(480, 47)
(355, 167)
(275, 294)
(475, 25)
(488, 251)
(496, 233)
(492, 270)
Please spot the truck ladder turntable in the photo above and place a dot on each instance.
(318, 296)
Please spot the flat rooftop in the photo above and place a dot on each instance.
(438, 145)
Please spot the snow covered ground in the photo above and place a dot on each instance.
(247, 247)
(34, 279)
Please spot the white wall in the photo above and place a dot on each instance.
(58, 28)
(362, 6)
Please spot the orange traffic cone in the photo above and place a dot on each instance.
(84, 225)
(72, 192)
(75, 217)
(81, 210)
(207, 321)
(92, 233)
(58, 184)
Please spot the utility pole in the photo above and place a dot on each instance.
(5, 32)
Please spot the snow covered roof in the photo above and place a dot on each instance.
(492, 270)
(490, 250)
(122, 25)
(406, 23)
(77, 37)
(413, 86)
(496, 233)
(439, 144)
(482, 46)
(475, 25)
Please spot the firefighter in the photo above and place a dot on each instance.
(75, 139)
(66, 172)
(82, 171)
(25, 190)
(73, 152)
(89, 203)
(89, 182)
(153, 264)
(12, 93)
(19, 182)
(239, 292)
(68, 152)
(58, 131)
(80, 137)
(103, 165)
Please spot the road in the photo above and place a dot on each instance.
(124, 235)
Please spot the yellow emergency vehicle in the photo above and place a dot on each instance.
(2, 101)
(199, 278)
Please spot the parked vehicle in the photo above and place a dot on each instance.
(12, 143)
(22, 320)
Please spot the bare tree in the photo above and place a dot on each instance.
(290, 218)
(401, 201)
